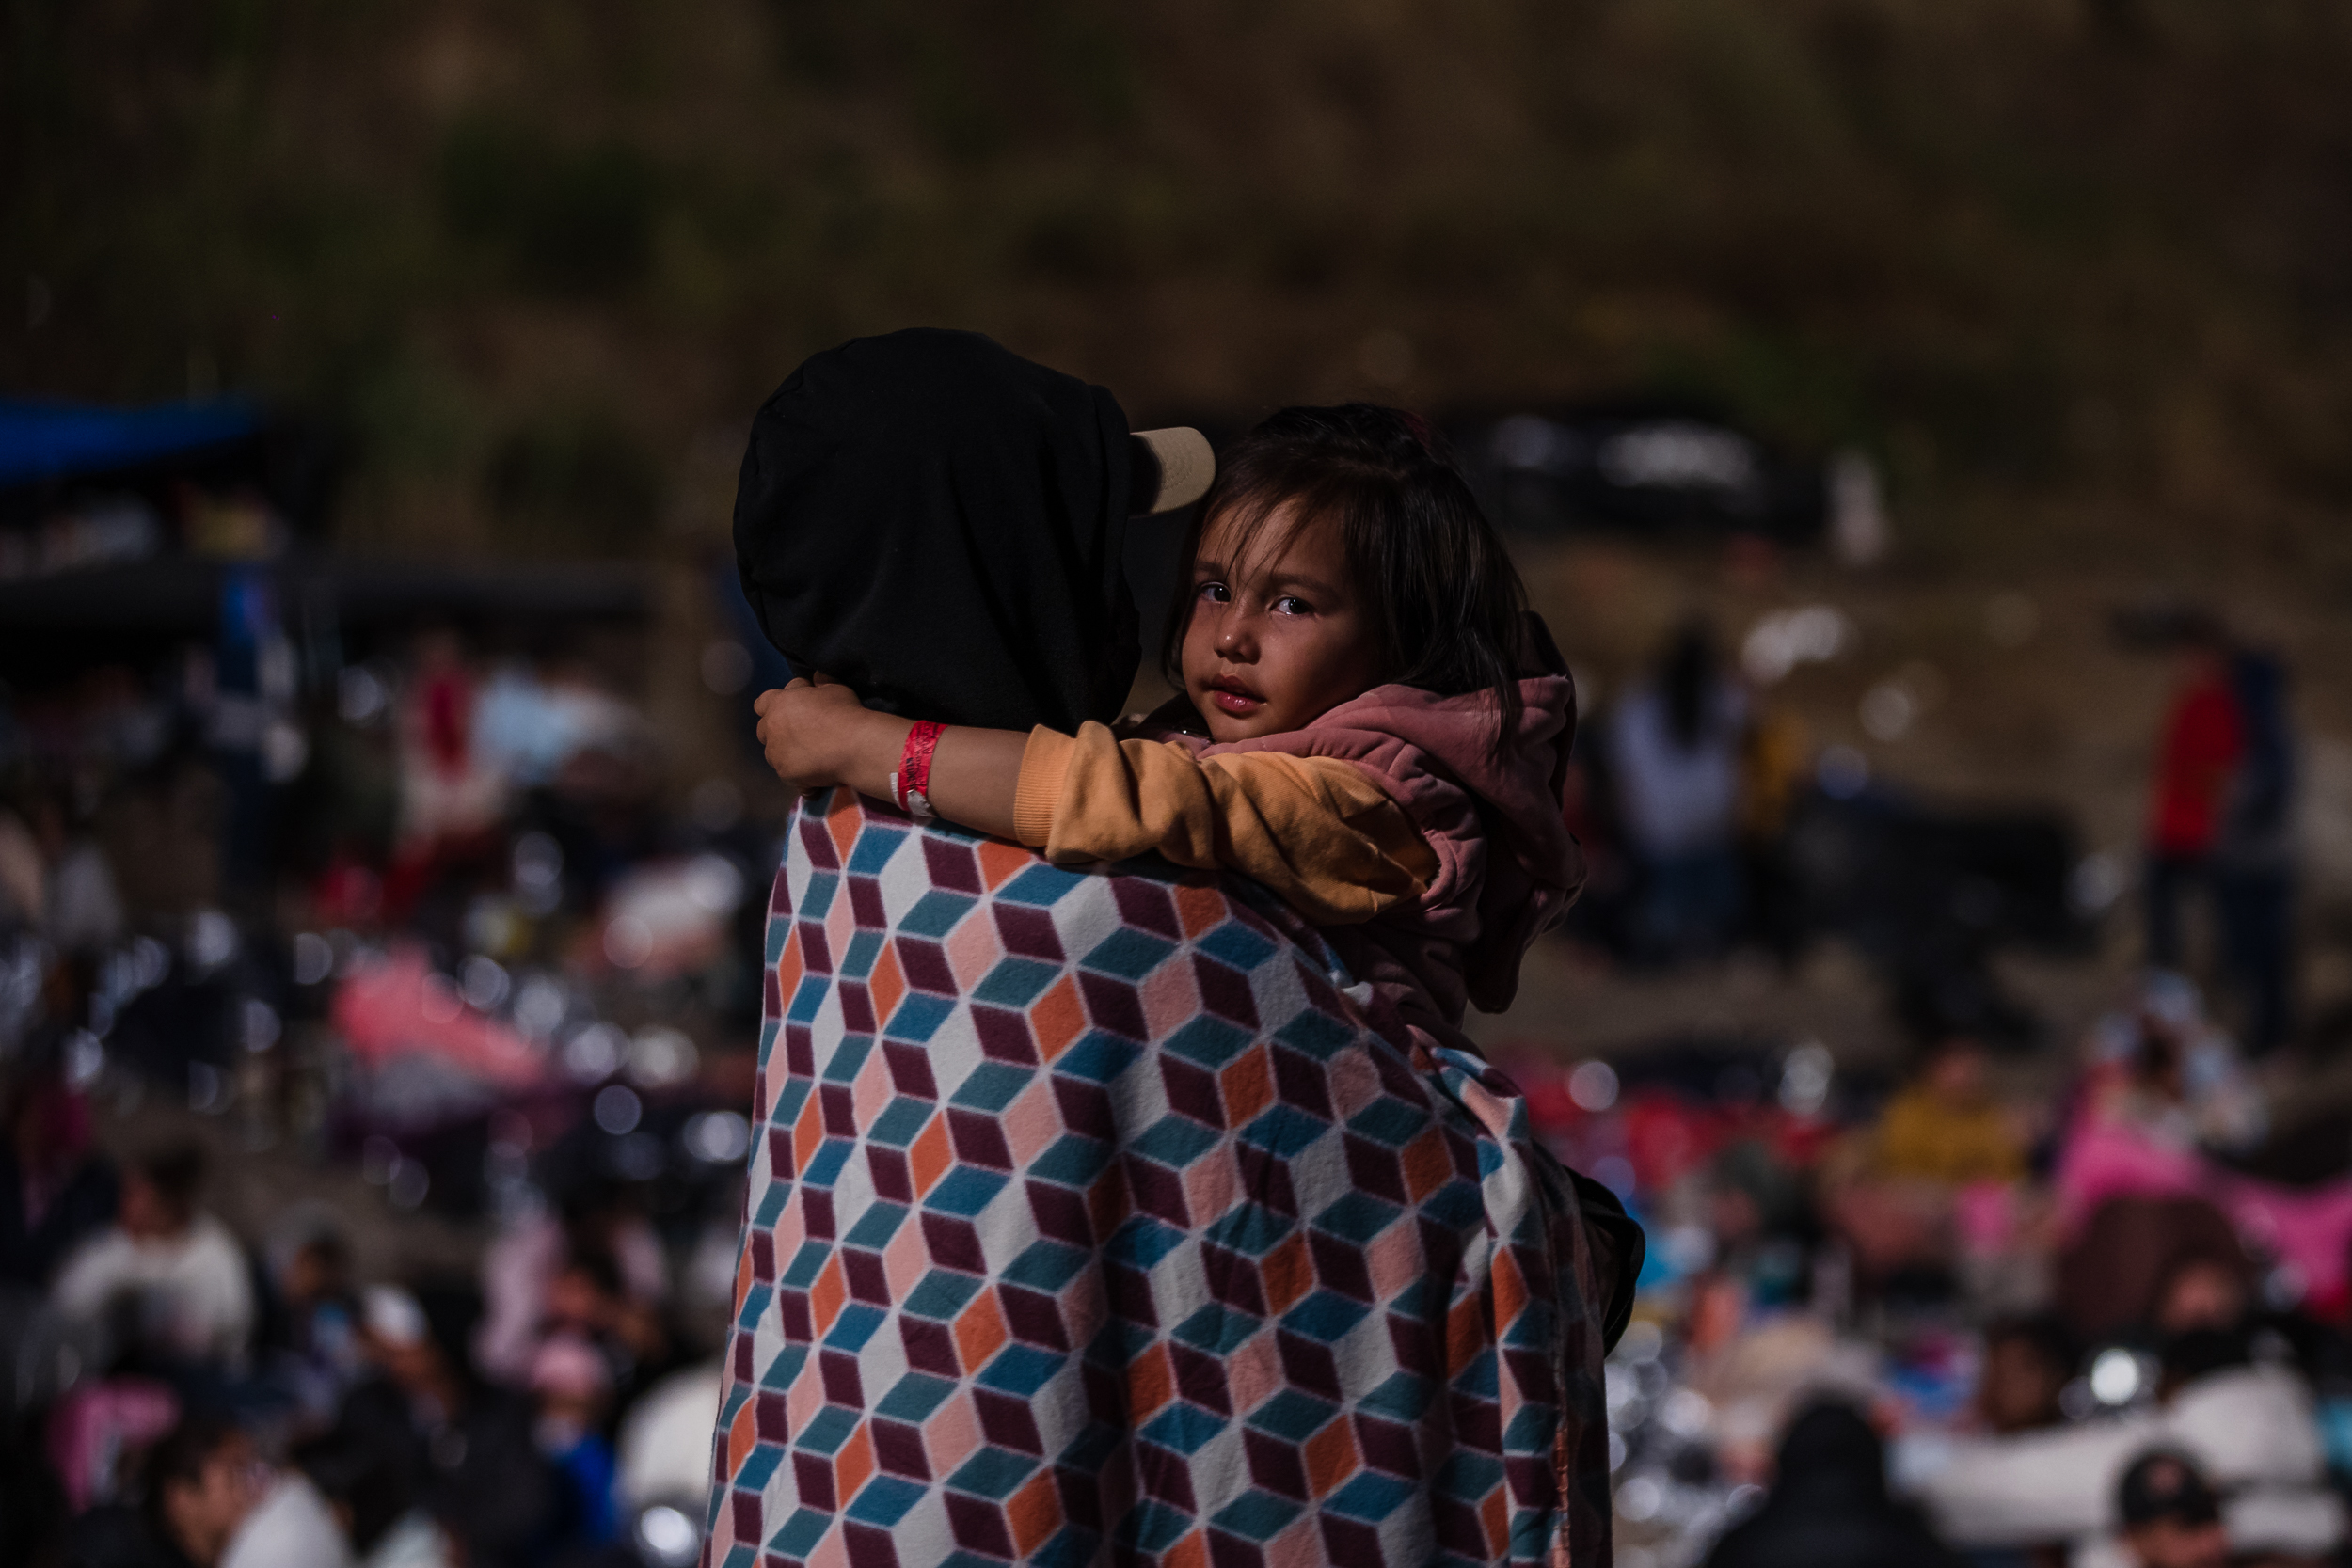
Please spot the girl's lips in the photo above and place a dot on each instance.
(1234, 701)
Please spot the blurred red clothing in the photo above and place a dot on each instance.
(446, 709)
(2203, 741)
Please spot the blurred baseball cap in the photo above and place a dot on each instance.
(2165, 1485)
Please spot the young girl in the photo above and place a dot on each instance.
(1372, 725)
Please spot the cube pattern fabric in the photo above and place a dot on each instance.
(1090, 1220)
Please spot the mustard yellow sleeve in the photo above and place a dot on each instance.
(1319, 833)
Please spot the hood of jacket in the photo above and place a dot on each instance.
(1508, 867)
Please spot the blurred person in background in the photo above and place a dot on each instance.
(400, 1391)
(2202, 739)
(2222, 819)
(1675, 744)
(470, 1447)
(2028, 1362)
(83, 912)
(1897, 1230)
(573, 1388)
(1946, 1127)
(168, 1277)
(202, 1481)
(590, 1301)
(308, 1323)
(2252, 853)
(371, 1495)
(1775, 767)
(593, 1265)
(56, 1190)
(1829, 1506)
(2166, 1073)
(1762, 1222)
(2250, 1424)
(450, 796)
(1755, 1369)
(213, 1502)
(371, 1465)
(2170, 1517)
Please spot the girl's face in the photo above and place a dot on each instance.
(1279, 638)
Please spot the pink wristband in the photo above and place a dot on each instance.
(911, 785)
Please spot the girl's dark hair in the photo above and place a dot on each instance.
(1446, 601)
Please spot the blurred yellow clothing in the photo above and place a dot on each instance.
(1773, 764)
(1924, 1137)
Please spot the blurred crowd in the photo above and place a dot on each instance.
(428, 924)
(1979, 1309)
(1712, 822)
(2030, 1301)
(473, 979)
(181, 1400)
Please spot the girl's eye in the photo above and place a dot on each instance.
(1291, 604)
(1215, 593)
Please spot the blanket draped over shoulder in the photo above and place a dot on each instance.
(1105, 1218)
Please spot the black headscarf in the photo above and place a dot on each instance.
(941, 524)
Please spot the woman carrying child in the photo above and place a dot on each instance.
(1137, 1215)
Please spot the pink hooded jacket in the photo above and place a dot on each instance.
(1507, 865)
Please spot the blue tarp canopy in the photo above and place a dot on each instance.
(56, 440)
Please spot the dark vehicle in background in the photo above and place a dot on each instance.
(1640, 469)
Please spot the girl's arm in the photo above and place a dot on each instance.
(817, 734)
(1318, 832)
(1321, 834)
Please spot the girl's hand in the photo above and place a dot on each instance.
(815, 734)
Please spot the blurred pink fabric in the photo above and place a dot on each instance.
(91, 1426)
(568, 1367)
(1985, 1215)
(399, 1004)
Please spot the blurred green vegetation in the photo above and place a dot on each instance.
(562, 222)
(530, 253)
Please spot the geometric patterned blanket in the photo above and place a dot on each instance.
(1091, 1219)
